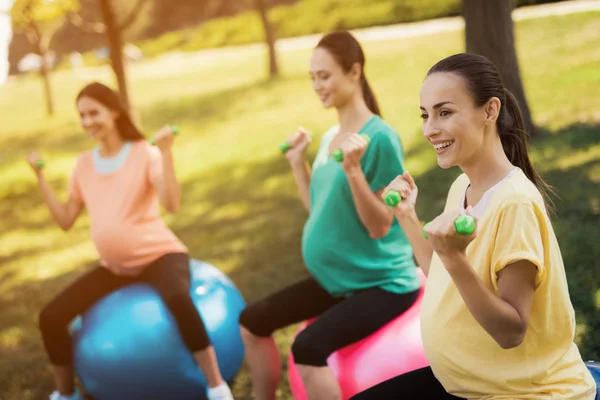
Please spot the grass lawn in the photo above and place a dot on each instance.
(240, 208)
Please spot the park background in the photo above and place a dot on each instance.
(234, 75)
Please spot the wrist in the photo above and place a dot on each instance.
(299, 163)
(354, 171)
(453, 259)
(407, 215)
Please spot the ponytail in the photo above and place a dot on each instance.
(126, 128)
(514, 137)
(369, 96)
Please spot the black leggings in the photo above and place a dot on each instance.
(169, 275)
(419, 384)
(341, 321)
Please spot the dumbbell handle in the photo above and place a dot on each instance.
(338, 154)
(464, 224)
(393, 198)
(174, 129)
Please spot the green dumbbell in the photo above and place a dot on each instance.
(464, 224)
(174, 129)
(39, 164)
(393, 198)
(285, 146)
(339, 154)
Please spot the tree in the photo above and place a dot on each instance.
(114, 31)
(263, 9)
(489, 32)
(40, 20)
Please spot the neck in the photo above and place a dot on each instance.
(353, 114)
(110, 145)
(489, 166)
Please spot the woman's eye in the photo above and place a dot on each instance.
(424, 116)
(444, 113)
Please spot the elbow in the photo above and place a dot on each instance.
(172, 207)
(65, 226)
(379, 231)
(512, 340)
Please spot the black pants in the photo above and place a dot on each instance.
(341, 321)
(419, 384)
(169, 275)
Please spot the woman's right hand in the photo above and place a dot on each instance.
(406, 186)
(35, 162)
(298, 142)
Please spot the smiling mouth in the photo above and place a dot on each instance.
(439, 147)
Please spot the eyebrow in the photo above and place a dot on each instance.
(438, 105)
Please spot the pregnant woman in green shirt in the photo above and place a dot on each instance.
(362, 272)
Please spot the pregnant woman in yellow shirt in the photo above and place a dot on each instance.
(497, 321)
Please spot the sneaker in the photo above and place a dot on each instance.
(75, 396)
(221, 392)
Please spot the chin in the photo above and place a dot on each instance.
(445, 163)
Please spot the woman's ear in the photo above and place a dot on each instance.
(356, 71)
(492, 110)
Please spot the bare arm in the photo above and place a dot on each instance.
(302, 173)
(296, 156)
(165, 182)
(64, 214)
(409, 221)
(372, 211)
(412, 228)
(505, 316)
(167, 185)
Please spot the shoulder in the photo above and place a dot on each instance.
(519, 191)
(144, 150)
(84, 161)
(379, 129)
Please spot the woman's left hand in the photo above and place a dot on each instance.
(353, 148)
(163, 138)
(443, 237)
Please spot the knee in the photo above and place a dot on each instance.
(309, 350)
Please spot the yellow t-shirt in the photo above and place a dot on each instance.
(463, 356)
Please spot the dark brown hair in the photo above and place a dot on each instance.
(483, 82)
(112, 100)
(347, 51)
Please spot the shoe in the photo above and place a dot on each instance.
(221, 392)
(76, 395)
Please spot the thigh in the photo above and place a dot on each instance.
(82, 294)
(169, 275)
(418, 384)
(295, 303)
(357, 317)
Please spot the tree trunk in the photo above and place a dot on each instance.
(263, 10)
(115, 44)
(45, 73)
(489, 32)
(44, 69)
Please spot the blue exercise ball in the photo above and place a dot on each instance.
(594, 368)
(127, 346)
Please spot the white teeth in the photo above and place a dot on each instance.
(442, 145)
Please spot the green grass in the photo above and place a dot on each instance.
(240, 208)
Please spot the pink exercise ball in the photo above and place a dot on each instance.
(393, 350)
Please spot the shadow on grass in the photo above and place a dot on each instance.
(250, 217)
